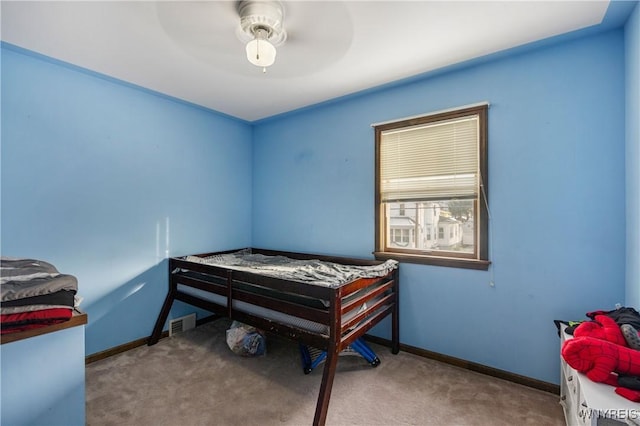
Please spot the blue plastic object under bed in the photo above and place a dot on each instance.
(312, 357)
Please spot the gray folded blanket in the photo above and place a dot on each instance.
(23, 278)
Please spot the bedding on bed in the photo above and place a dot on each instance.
(313, 271)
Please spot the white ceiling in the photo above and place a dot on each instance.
(190, 50)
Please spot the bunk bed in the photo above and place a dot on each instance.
(326, 302)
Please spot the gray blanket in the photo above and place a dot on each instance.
(22, 278)
(316, 272)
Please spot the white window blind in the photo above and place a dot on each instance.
(430, 161)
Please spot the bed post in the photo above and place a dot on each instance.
(328, 374)
(331, 362)
(395, 314)
(164, 312)
(230, 294)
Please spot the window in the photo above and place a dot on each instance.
(431, 173)
(400, 237)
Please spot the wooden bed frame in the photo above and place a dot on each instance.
(380, 295)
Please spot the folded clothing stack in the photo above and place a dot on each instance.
(34, 294)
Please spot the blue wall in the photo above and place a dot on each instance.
(105, 181)
(556, 191)
(632, 58)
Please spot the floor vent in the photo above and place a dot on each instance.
(182, 324)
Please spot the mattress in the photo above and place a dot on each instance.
(256, 310)
(267, 313)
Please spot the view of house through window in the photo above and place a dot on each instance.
(430, 194)
(432, 225)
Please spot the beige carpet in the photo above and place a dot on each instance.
(194, 379)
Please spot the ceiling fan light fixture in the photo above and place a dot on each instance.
(260, 52)
(261, 30)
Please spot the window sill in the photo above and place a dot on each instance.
(451, 262)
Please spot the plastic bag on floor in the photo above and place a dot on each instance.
(245, 340)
